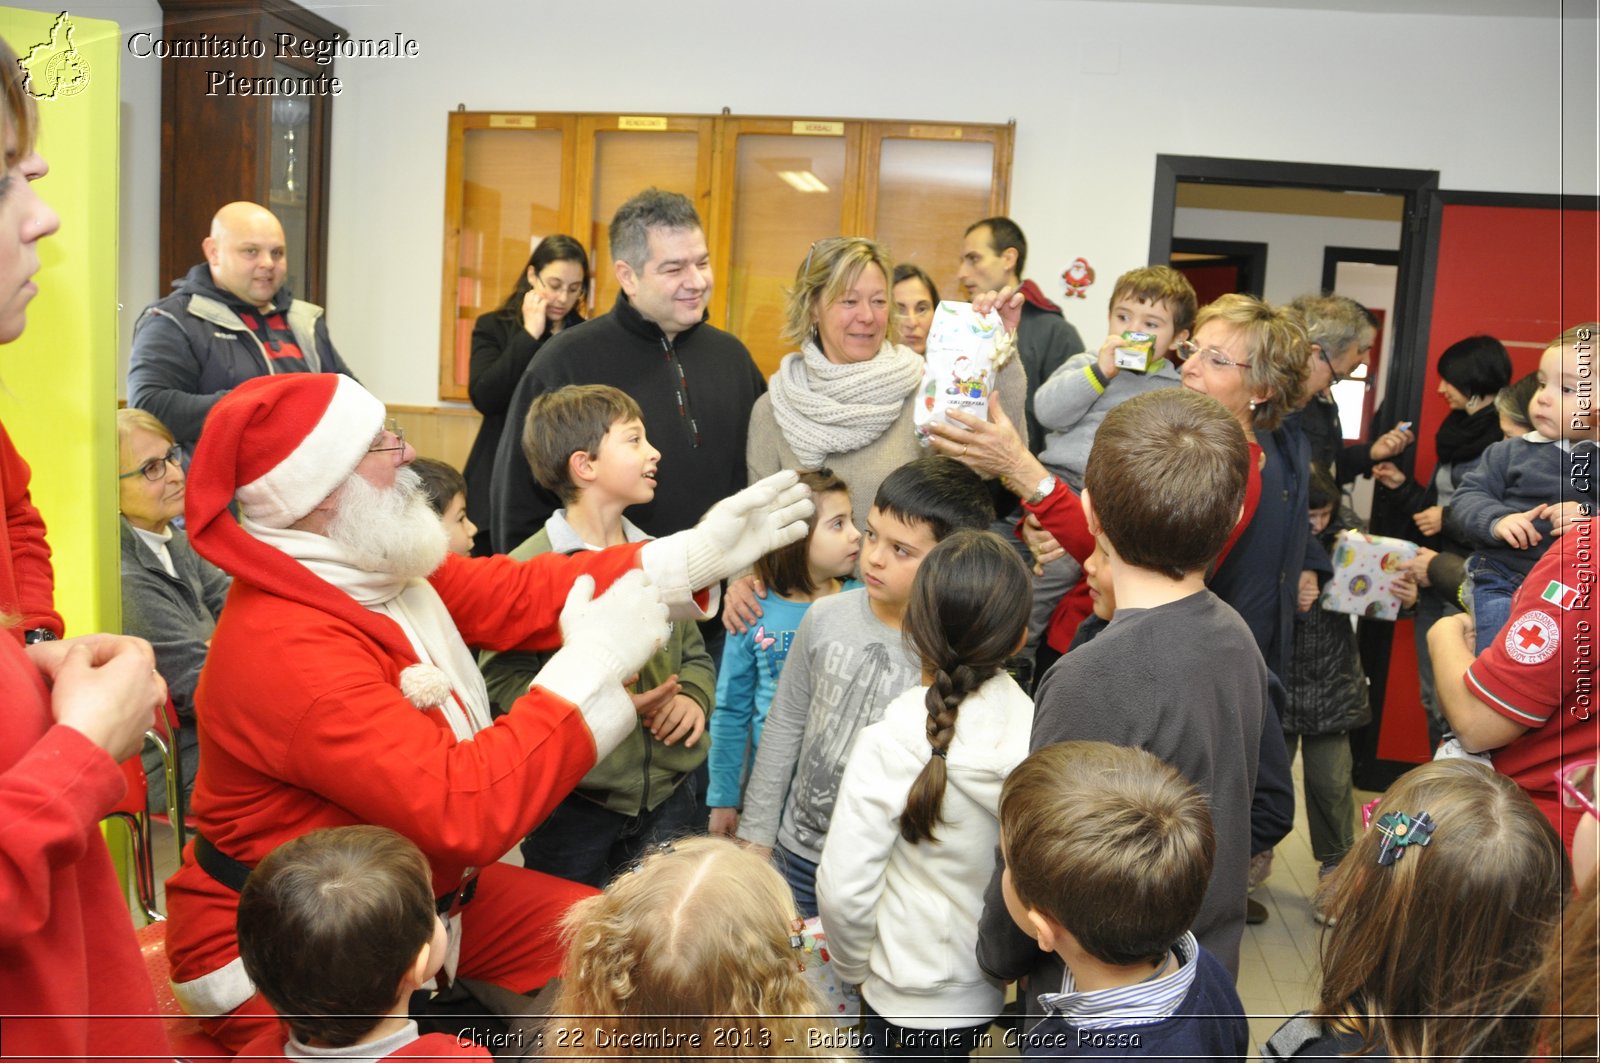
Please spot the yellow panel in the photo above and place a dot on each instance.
(59, 398)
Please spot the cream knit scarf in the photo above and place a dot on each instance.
(446, 665)
(823, 408)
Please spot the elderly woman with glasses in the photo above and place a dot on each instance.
(1341, 332)
(171, 596)
(845, 399)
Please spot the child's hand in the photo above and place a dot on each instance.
(649, 702)
(1405, 588)
(1389, 474)
(1517, 530)
(1309, 590)
(724, 821)
(1106, 360)
(1564, 515)
(1044, 546)
(682, 718)
(1429, 521)
(741, 604)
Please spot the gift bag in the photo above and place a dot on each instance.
(959, 374)
(843, 1002)
(1364, 571)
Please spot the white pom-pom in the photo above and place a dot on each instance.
(425, 686)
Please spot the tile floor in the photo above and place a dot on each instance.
(1278, 959)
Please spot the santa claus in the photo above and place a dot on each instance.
(339, 688)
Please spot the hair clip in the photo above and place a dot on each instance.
(638, 865)
(1400, 830)
(940, 753)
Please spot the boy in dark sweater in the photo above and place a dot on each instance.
(1176, 671)
(1107, 855)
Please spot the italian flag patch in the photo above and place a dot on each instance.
(1560, 594)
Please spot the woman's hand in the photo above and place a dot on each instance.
(1391, 444)
(534, 318)
(1389, 475)
(104, 686)
(990, 448)
(741, 604)
(1405, 589)
(1007, 302)
(1429, 521)
(1417, 567)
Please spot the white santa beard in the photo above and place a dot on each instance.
(391, 530)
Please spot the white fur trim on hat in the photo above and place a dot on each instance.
(319, 463)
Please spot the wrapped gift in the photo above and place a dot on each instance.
(1364, 572)
(842, 1001)
(959, 372)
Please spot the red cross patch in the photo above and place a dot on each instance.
(1532, 637)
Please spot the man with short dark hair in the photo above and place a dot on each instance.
(695, 383)
(229, 320)
(992, 256)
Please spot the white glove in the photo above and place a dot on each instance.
(618, 631)
(743, 527)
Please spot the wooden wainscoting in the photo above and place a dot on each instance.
(442, 432)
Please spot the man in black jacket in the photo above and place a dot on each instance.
(694, 382)
(230, 319)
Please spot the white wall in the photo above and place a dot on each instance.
(1097, 90)
(1295, 242)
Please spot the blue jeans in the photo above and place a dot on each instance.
(1492, 587)
(885, 1040)
(801, 875)
(586, 842)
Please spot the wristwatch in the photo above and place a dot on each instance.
(38, 634)
(1042, 492)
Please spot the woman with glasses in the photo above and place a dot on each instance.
(1341, 332)
(171, 596)
(71, 976)
(1472, 373)
(1252, 358)
(547, 298)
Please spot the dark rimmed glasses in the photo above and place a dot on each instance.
(156, 468)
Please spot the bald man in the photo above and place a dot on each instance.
(229, 320)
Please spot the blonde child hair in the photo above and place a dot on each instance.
(690, 953)
(1436, 954)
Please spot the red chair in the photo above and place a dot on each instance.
(133, 811)
(188, 1040)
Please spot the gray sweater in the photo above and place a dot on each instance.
(1071, 405)
(843, 669)
(1513, 476)
(1186, 682)
(176, 615)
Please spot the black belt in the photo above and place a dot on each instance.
(233, 874)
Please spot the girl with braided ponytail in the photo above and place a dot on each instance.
(910, 849)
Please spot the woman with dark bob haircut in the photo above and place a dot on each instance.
(1471, 374)
(547, 298)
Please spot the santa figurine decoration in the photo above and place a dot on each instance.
(1078, 276)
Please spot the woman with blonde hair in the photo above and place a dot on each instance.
(845, 399)
(690, 953)
(1252, 358)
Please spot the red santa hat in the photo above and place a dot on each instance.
(281, 445)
